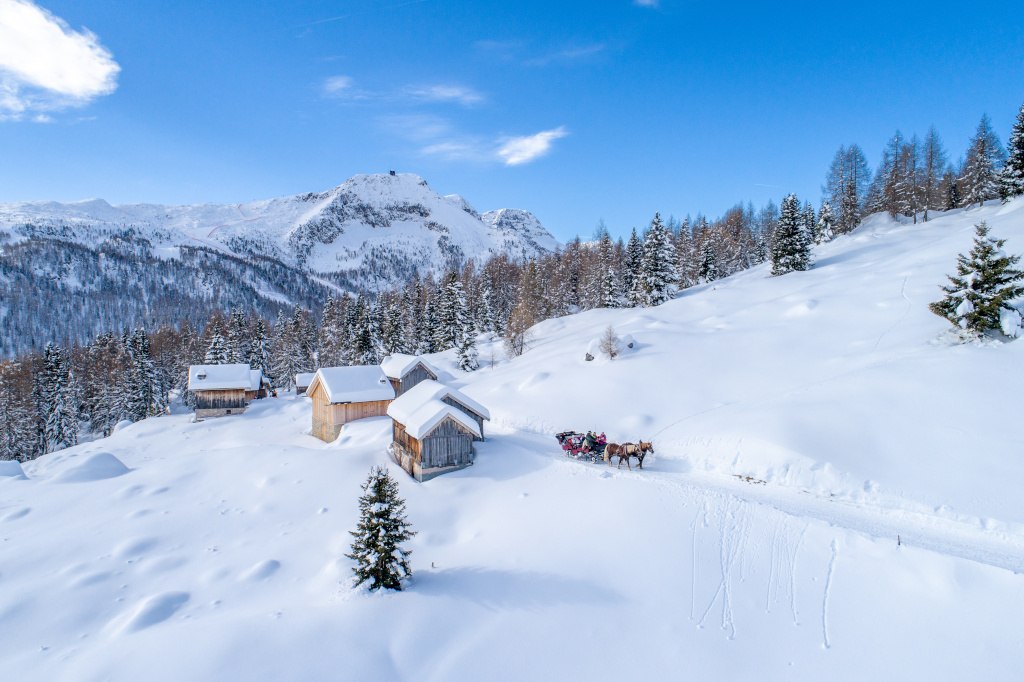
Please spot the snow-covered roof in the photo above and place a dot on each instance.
(304, 378)
(397, 365)
(256, 379)
(355, 384)
(410, 401)
(431, 413)
(219, 377)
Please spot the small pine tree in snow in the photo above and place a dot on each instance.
(381, 530)
(824, 231)
(217, 353)
(985, 284)
(1011, 180)
(791, 245)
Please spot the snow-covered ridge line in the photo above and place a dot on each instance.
(367, 221)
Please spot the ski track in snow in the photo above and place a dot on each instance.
(910, 304)
(824, 600)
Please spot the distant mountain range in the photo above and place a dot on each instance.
(98, 267)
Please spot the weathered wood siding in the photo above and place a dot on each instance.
(447, 445)
(349, 412)
(326, 413)
(215, 400)
(416, 375)
(465, 409)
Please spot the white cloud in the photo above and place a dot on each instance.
(45, 65)
(446, 93)
(518, 150)
(646, 3)
(338, 85)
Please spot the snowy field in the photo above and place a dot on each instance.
(801, 425)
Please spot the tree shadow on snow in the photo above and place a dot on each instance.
(503, 590)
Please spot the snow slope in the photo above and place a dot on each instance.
(215, 552)
(387, 224)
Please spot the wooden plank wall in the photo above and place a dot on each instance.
(343, 414)
(447, 445)
(209, 400)
(465, 410)
(412, 378)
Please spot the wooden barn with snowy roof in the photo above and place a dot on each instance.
(344, 394)
(259, 385)
(405, 371)
(219, 390)
(434, 430)
(303, 380)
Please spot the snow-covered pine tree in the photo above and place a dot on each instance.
(1011, 179)
(790, 247)
(486, 315)
(985, 283)
(979, 179)
(61, 429)
(217, 351)
(631, 268)
(824, 232)
(382, 528)
(810, 222)
(708, 269)
(451, 304)
(392, 337)
(657, 264)
(259, 356)
(239, 346)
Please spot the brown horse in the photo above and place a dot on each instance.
(623, 452)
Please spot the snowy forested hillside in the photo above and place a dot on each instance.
(98, 267)
(834, 494)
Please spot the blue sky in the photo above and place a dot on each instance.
(575, 111)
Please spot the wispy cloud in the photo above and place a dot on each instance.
(336, 86)
(445, 93)
(438, 137)
(519, 150)
(344, 87)
(569, 54)
(45, 65)
(646, 3)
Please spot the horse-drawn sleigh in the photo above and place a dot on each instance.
(592, 448)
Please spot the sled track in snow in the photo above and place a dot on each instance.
(914, 529)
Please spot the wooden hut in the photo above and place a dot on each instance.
(344, 394)
(433, 439)
(302, 382)
(434, 390)
(259, 385)
(220, 390)
(405, 371)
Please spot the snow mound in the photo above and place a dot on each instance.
(11, 469)
(260, 571)
(154, 610)
(96, 468)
